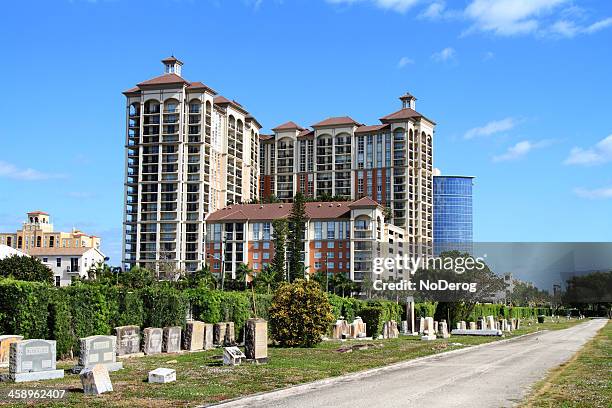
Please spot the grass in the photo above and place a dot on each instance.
(585, 381)
(201, 378)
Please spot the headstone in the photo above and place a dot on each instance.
(481, 325)
(95, 350)
(208, 336)
(472, 326)
(223, 334)
(429, 332)
(232, 356)
(341, 329)
(256, 340)
(128, 340)
(410, 315)
(478, 332)
(5, 347)
(462, 325)
(491, 322)
(435, 326)
(390, 330)
(194, 336)
(458, 325)
(172, 340)
(33, 360)
(405, 327)
(358, 328)
(162, 375)
(443, 330)
(152, 340)
(229, 335)
(95, 380)
(421, 325)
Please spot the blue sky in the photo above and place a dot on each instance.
(520, 91)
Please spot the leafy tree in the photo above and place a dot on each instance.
(240, 282)
(322, 279)
(25, 268)
(300, 314)
(526, 294)
(201, 278)
(265, 280)
(297, 221)
(591, 292)
(137, 278)
(280, 248)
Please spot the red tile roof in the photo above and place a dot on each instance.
(336, 121)
(222, 100)
(288, 126)
(164, 80)
(58, 251)
(250, 117)
(403, 114)
(268, 212)
(364, 202)
(305, 133)
(172, 58)
(199, 85)
(38, 212)
(372, 128)
(265, 137)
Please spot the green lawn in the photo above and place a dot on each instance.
(202, 379)
(585, 381)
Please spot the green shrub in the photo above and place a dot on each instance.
(300, 314)
(60, 323)
(90, 308)
(164, 306)
(205, 304)
(263, 302)
(130, 309)
(373, 317)
(25, 268)
(24, 308)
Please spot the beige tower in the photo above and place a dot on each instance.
(189, 151)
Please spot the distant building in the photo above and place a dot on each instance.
(68, 263)
(452, 213)
(37, 232)
(68, 254)
(189, 152)
(341, 237)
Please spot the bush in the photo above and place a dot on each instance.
(24, 308)
(92, 309)
(130, 308)
(164, 306)
(25, 268)
(372, 316)
(60, 324)
(300, 314)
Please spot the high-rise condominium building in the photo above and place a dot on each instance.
(453, 228)
(390, 163)
(189, 152)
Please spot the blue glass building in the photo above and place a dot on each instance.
(452, 213)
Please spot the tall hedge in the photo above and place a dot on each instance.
(24, 308)
(60, 324)
(92, 309)
(164, 306)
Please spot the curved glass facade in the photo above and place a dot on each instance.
(452, 213)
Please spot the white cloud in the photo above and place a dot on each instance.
(540, 17)
(404, 61)
(434, 11)
(491, 128)
(599, 154)
(520, 150)
(594, 193)
(489, 55)
(11, 171)
(509, 17)
(446, 54)
(401, 6)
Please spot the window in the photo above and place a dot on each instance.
(45, 260)
(318, 255)
(330, 265)
(255, 255)
(317, 265)
(255, 265)
(318, 244)
(330, 255)
(331, 230)
(266, 231)
(266, 245)
(266, 255)
(256, 227)
(58, 262)
(57, 281)
(318, 230)
(330, 244)
(255, 245)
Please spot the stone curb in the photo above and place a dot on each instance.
(300, 388)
